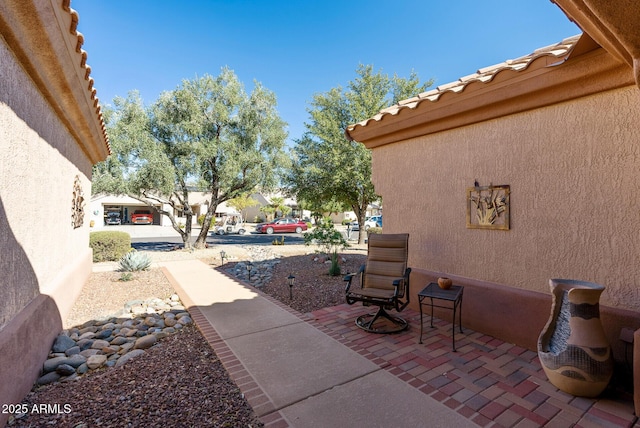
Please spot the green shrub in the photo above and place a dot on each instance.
(109, 246)
(276, 242)
(258, 219)
(326, 237)
(201, 220)
(377, 230)
(134, 261)
(334, 270)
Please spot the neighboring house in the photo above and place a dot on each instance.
(52, 134)
(100, 205)
(253, 213)
(372, 209)
(560, 127)
(125, 205)
(200, 204)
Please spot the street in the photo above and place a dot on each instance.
(163, 238)
(168, 243)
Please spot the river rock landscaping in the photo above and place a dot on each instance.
(113, 341)
(139, 370)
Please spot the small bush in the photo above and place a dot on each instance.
(109, 246)
(201, 221)
(377, 230)
(126, 276)
(276, 242)
(326, 237)
(258, 219)
(334, 270)
(134, 261)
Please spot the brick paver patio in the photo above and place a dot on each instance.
(488, 381)
(492, 383)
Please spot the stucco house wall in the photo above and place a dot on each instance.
(572, 169)
(52, 133)
(558, 127)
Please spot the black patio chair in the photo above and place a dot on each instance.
(384, 282)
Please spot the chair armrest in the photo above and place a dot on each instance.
(396, 283)
(404, 279)
(348, 277)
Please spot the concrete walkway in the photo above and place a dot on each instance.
(292, 374)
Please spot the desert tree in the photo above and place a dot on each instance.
(207, 134)
(327, 168)
(242, 202)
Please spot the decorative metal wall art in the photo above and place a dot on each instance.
(77, 208)
(488, 207)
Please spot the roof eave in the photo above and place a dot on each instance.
(612, 25)
(545, 81)
(42, 35)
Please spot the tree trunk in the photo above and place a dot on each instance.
(186, 234)
(362, 234)
(201, 241)
(360, 215)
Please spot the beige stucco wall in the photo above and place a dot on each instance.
(39, 161)
(573, 171)
(51, 133)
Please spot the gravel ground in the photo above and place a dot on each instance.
(180, 381)
(104, 294)
(313, 288)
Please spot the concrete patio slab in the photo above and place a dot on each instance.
(242, 317)
(374, 400)
(205, 285)
(234, 308)
(306, 377)
(294, 362)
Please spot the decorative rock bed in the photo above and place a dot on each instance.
(113, 341)
(262, 264)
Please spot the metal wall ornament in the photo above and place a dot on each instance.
(488, 207)
(77, 208)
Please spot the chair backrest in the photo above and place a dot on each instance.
(386, 260)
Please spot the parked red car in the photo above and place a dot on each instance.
(282, 225)
(142, 217)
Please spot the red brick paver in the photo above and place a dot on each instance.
(490, 382)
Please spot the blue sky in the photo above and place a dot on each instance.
(298, 48)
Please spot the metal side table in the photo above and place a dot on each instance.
(453, 294)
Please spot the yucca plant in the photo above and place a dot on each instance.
(134, 261)
(334, 270)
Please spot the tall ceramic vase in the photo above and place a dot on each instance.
(573, 349)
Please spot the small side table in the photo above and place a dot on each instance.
(453, 294)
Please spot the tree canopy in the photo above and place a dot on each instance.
(328, 168)
(208, 134)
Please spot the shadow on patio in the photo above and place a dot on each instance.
(490, 382)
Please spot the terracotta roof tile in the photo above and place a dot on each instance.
(484, 75)
(73, 31)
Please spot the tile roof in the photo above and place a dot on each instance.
(483, 76)
(79, 41)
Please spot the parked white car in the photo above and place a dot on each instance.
(374, 221)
